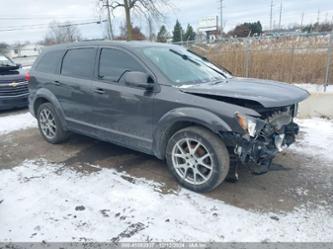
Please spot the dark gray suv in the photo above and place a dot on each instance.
(165, 101)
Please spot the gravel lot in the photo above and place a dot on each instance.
(87, 190)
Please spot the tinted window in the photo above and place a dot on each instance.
(113, 63)
(49, 62)
(79, 63)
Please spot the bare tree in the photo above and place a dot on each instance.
(61, 33)
(148, 8)
(4, 48)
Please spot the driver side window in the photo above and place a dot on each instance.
(113, 63)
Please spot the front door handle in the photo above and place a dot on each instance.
(99, 91)
(56, 82)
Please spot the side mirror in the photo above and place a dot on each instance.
(138, 79)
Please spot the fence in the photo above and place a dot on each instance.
(293, 59)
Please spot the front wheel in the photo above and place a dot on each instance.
(197, 158)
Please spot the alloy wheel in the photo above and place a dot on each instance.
(192, 161)
(47, 123)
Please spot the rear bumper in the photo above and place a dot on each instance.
(12, 102)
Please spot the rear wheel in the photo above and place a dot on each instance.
(197, 158)
(49, 124)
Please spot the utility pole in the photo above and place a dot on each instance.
(150, 27)
(318, 16)
(110, 33)
(302, 19)
(271, 17)
(221, 17)
(280, 17)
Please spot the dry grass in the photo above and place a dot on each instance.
(301, 60)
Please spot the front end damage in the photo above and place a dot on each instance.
(274, 131)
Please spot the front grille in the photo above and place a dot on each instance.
(14, 89)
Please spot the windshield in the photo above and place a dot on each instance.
(4, 61)
(183, 68)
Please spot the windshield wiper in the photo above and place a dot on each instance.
(209, 62)
(185, 57)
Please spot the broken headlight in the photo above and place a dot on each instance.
(295, 112)
(247, 123)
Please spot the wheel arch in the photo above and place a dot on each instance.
(45, 96)
(181, 118)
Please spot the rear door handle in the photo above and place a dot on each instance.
(99, 91)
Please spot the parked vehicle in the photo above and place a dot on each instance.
(13, 85)
(166, 101)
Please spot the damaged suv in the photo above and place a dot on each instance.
(165, 101)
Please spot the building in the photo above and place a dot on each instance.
(28, 50)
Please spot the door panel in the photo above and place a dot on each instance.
(125, 113)
(76, 84)
(120, 113)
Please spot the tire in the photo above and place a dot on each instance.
(56, 132)
(207, 164)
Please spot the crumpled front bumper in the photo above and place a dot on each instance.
(258, 152)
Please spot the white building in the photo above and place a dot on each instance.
(25, 50)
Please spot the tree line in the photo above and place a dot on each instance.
(64, 32)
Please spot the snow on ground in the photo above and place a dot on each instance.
(44, 201)
(315, 88)
(316, 138)
(16, 122)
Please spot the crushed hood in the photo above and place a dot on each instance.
(267, 93)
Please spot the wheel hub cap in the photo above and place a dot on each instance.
(47, 123)
(192, 161)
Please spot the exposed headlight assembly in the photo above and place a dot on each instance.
(295, 110)
(247, 123)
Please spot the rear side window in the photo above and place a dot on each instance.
(49, 62)
(113, 64)
(79, 63)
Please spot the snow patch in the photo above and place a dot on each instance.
(315, 88)
(44, 201)
(16, 122)
(315, 139)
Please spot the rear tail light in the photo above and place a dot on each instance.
(27, 76)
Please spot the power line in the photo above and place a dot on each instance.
(45, 27)
(39, 25)
(39, 17)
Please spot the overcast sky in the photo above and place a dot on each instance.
(28, 19)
